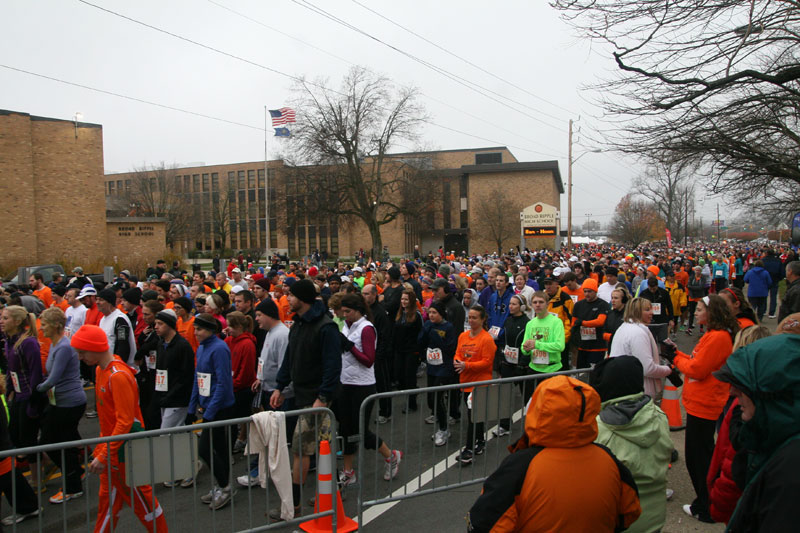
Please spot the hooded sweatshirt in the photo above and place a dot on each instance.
(243, 359)
(534, 489)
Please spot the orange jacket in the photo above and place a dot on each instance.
(478, 354)
(186, 330)
(117, 407)
(535, 488)
(704, 396)
(45, 295)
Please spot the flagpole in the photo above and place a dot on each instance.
(266, 186)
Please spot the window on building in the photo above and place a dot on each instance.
(260, 178)
(488, 158)
(240, 176)
(214, 181)
(312, 238)
(187, 183)
(110, 188)
(119, 186)
(205, 182)
(127, 186)
(251, 179)
(251, 196)
(196, 182)
(446, 203)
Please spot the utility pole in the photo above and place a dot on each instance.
(718, 224)
(589, 225)
(569, 190)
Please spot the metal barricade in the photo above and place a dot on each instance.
(150, 459)
(427, 468)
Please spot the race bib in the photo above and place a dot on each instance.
(434, 356)
(259, 372)
(51, 395)
(204, 383)
(539, 357)
(511, 354)
(588, 334)
(151, 360)
(15, 382)
(719, 273)
(494, 331)
(574, 298)
(288, 323)
(656, 308)
(162, 383)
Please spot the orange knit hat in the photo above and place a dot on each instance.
(90, 339)
(590, 283)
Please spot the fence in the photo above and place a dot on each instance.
(493, 400)
(154, 457)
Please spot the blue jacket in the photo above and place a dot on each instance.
(442, 336)
(498, 310)
(775, 268)
(759, 282)
(720, 270)
(213, 357)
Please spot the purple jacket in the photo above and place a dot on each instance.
(26, 362)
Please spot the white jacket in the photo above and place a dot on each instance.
(635, 339)
(353, 372)
(268, 439)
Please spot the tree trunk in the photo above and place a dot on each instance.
(377, 242)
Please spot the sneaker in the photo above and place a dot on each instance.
(209, 497)
(440, 437)
(91, 413)
(430, 419)
(222, 498)
(189, 481)
(17, 518)
(453, 421)
(392, 465)
(688, 510)
(689, 332)
(239, 445)
(670, 492)
(174, 483)
(479, 447)
(247, 480)
(421, 369)
(772, 316)
(500, 432)
(62, 497)
(465, 457)
(275, 514)
(384, 419)
(347, 478)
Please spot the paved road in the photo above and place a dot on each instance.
(423, 466)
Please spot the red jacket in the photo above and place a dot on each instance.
(243, 360)
(723, 492)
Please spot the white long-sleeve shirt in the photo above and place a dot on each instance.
(635, 339)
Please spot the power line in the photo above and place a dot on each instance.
(133, 98)
(453, 77)
(270, 69)
(467, 61)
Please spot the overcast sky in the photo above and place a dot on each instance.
(522, 43)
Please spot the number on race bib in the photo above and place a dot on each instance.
(540, 357)
(151, 360)
(434, 356)
(204, 383)
(511, 354)
(588, 334)
(574, 298)
(260, 371)
(162, 382)
(656, 308)
(494, 331)
(15, 382)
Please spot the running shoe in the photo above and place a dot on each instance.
(440, 437)
(222, 498)
(62, 497)
(500, 432)
(392, 465)
(247, 480)
(430, 419)
(465, 457)
(347, 478)
(17, 518)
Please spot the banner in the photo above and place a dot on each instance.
(669, 238)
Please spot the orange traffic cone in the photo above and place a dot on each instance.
(670, 404)
(324, 500)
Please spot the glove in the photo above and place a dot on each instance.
(668, 350)
(346, 343)
(190, 419)
(675, 377)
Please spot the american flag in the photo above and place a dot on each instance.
(284, 115)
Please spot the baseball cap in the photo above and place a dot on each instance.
(87, 290)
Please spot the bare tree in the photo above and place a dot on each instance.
(499, 215)
(221, 215)
(155, 192)
(671, 190)
(635, 221)
(341, 166)
(712, 83)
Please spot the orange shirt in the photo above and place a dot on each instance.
(576, 295)
(44, 345)
(45, 295)
(63, 305)
(478, 354)
(117, 407)
(284, 310)
(186, 330)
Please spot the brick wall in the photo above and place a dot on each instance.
(135, 239)
(18, 238)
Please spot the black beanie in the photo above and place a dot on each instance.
(411, 267)
(304, 290)
(108, 295)
(617, 376)
(184, 302)
(268, 307)
(394, 273)
(148, 295)
(168, 317)
(440, 307)
(133, 295)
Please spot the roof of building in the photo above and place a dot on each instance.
(51, 119)
(552, 166)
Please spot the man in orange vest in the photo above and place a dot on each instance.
(118, 408)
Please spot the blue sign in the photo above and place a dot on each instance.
(796, 229)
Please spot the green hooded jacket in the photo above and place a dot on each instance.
(637, 432)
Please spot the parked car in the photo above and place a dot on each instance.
(46, 271)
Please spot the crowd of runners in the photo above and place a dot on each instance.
(171, 347)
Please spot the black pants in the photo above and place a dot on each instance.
(692, 309)
(720, 284)
(217, 439)
(23, 430)
(587, 358)
(698, 452)
(346, 407)
(383, 383)
(475, 432)
(148, 400)
(566, 355)
(443, 402)
(406, 364)
(60, 424)
(525, 387)
(759, 304)
(24, 499)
